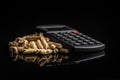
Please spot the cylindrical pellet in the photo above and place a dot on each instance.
(49, 51)
(42, 51)
(47, 39)
(64, 50)
(44, 42)
(52, 46)
(39, 44)
(33, 45)
(14, 43)
(29, 51)
(55, 50)
(25, 43)
(58, 45)
(32, 38)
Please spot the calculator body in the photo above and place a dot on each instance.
(71, 38)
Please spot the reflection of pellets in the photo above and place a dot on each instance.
(14, 50)
(39, 44)
(30, 58)
(15, 57)
(59, 60)
(42, 63)
(34, 59)
(20, 49)
(21, 57)
(64, 50)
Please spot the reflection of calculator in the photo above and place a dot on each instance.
(71, 38)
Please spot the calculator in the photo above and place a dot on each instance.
(71, 38)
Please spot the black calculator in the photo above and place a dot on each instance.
(71, 38)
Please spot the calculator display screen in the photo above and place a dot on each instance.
(58, 29)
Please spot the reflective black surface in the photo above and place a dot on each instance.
(57, 59)
(96, 22)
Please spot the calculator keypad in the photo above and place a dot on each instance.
(75, 38)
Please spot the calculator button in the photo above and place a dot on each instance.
(84, 43)
(75, 32)
(91, 43)
(93, 40)
(63, 37)
(70, 43)
(81, 38)
(67, 39)
(58, 35)
(65, 34)
(77, 36)
(86, 40)
(88, 37)
(72, 34)
(53, 34)
(70, 37)
(75, 39)
(97, 42)
(80, 41)
(77, 44)
(83, 35)
(80, 34)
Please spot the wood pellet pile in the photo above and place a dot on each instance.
(36, 44)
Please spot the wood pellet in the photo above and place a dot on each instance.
(36, 44)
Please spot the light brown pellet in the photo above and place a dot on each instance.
(25, 43)
(58, 45)
(39, 44)
(52, 46)
(33, 45)
(44, 42)
(29, 51)
(47, 39)
(44, 51)
(55, 50)
(32, 38)
(64, 50)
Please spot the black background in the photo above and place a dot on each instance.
(97, 21)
